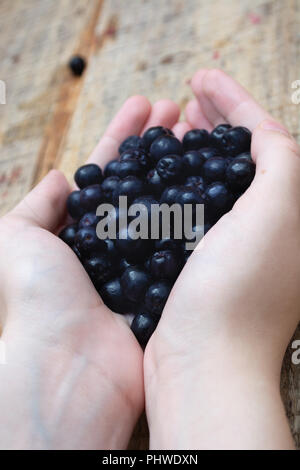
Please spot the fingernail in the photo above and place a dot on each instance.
(274, 126)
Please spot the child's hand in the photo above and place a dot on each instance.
(214, 361)
(73, 377)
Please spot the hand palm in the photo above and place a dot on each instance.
(241, 246)
(81, 354)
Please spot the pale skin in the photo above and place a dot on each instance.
(75, 376)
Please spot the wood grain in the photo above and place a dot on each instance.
(150, 47)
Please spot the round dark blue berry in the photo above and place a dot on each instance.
(139, 155)
(131, 187)
(87, 242)
(135, 281)
(91, 197)
(165, 145)
(189, 196)
(143, 326)
(209, 152)
(240, 173)
(74, 206)
(218, 132)
(165, 264)
(109, 186)
(195, 139)
(214, 169)
(157, 296)
(153, 133)
(146, 204)
(170, 194)
(87, 175)
(195, 182)
(133, 249)
(132, 142)
(90, 219)
(113, 296)
(171, 244)
(77, 65)
(130, 167)
(244, 156)
(193, 161)
(112, 168)
(124, 264)
(100, 268)
(155, 183)
(170, 168)
(236, 140)
(68, 234)
(111, 249)
(219, 198)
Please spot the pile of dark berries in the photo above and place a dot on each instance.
(136, 275)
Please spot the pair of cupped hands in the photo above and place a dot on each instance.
(75, 376)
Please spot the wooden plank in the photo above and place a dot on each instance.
(150, 47)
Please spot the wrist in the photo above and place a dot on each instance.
(200, 401)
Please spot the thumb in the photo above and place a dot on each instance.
(45, 205)
(275, 151)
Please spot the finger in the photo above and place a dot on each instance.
(45, 205)
(164, 113)
(277, 158)
(195, 116)
(222, 99)
(180, 129)
(129, 120)
(209, 110)
(273, 148)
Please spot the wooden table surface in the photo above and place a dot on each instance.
(150, 47)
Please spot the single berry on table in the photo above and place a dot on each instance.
(77, 65)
